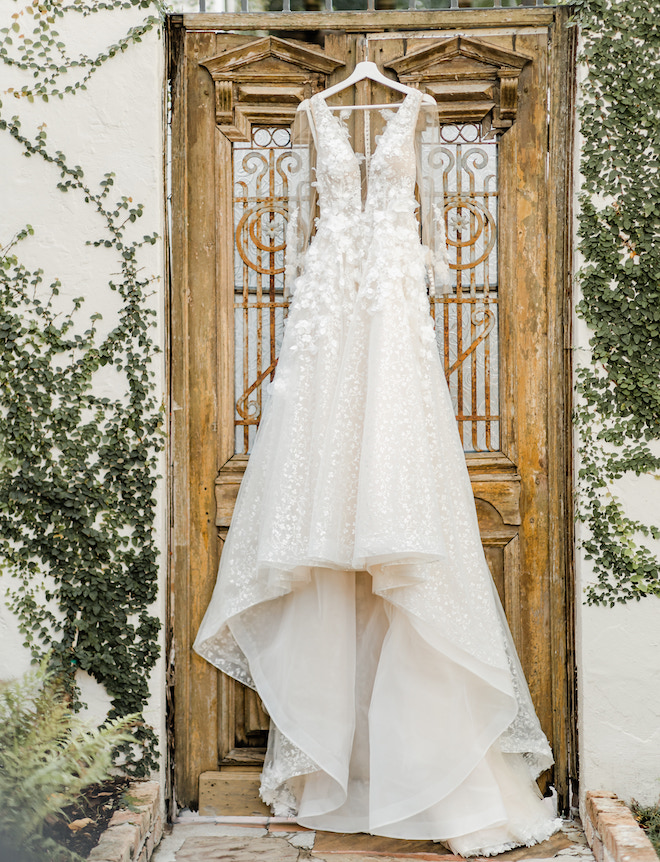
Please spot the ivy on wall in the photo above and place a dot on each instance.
(78, 470)
(618, 387)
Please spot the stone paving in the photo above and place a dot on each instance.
(192, 840)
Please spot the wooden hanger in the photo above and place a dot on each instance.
(367, 69)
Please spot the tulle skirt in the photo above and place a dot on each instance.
(354, 594)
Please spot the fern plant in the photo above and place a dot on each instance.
(648, 817)
(47, 758)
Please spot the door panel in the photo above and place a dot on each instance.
(234, 98)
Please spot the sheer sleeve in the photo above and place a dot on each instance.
(432, 166)
(302, 196)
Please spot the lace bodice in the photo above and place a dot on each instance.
(338, 182)
(391, 180)
(393, 166)
(391, 170)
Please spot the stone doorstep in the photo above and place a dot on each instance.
(131, 836)
(232, 844)
(612, 831)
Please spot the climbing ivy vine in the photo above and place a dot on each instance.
(618, 384)
(77, 468)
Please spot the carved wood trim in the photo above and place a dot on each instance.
(263, 81)
(472, 79)
(227, 483)
(502, 493)
(368, 22)
(234, 62)
(500, 489)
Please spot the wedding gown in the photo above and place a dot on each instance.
(353, 592)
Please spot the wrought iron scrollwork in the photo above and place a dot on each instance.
(464, 162)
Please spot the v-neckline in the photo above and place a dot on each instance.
(339, 125)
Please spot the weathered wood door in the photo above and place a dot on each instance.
(502, 80)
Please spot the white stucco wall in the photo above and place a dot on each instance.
(116, 125)
(619, 695)
(618, 648)
(618, 663)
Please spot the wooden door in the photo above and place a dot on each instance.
(502, 79)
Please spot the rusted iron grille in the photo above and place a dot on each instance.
(261, 193)
(466, 319)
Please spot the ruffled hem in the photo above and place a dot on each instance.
(541, 834)
(380, 723)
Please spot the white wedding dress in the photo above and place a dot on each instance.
(353, 592)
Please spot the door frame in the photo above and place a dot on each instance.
(198, 444)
